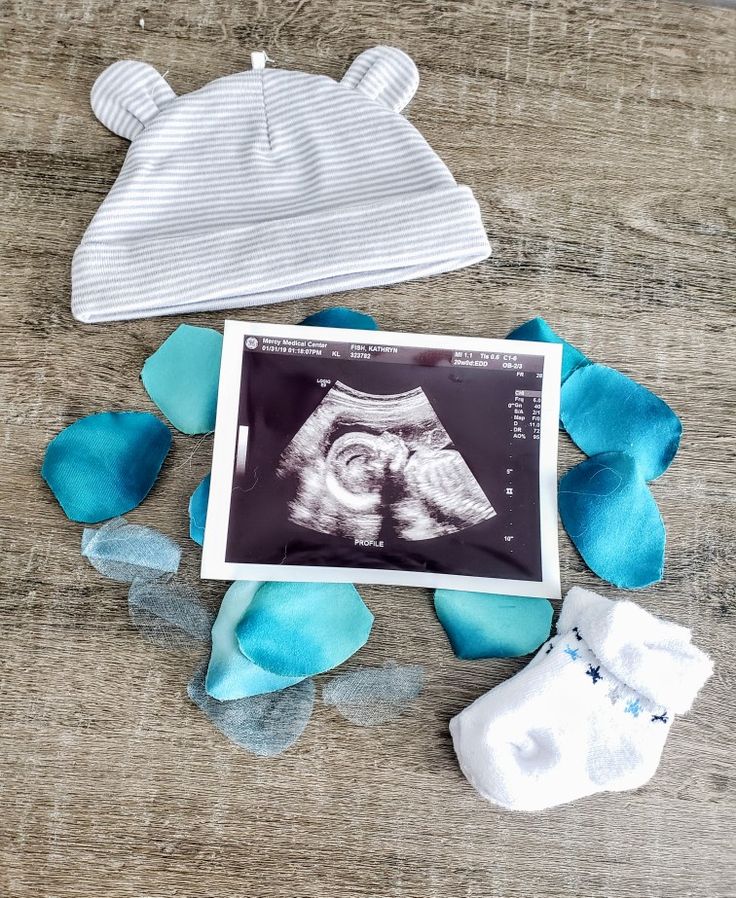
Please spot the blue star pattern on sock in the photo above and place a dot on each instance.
(633, 707)
(551, 646)
(577, 634)
(573, 653)
(662, 718)
(594, 673)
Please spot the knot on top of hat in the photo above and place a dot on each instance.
(128, 95)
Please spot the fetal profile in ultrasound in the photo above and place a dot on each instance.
(368, 466)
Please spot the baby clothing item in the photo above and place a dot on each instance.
(366, 462)
(264, 186)
(589, 713)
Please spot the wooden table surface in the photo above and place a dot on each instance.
(599, 139)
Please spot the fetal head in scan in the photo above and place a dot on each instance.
(371, 466)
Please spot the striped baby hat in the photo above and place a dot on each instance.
(264, 186)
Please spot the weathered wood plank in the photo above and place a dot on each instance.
(599, 139)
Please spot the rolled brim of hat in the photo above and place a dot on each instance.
(368, 245)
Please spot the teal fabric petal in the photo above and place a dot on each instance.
(265, 725)
(198, 510)
(613, 520)
(127, 552)
(301, 629)
(182, 377)
(341, 316)
(537, 330)
(230, 674)
(604, 411)
(485, 625)
(102, 466)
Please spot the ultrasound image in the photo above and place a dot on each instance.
(369, 466)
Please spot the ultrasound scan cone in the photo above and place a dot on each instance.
(368, 463)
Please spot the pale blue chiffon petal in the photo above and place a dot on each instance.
(368, 696)
(127, 552)
(169, 613)
(265, 725)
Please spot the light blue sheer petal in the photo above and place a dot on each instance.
(486, 625)
(300, 629)
(613, 520)
(368, 696)
(127, 552)
(230, 674)
(265, 725)
(102, 466)
(169, 613)
(182, 377)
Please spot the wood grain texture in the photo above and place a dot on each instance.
(599, 138)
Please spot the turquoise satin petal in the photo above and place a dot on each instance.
(485, 625)
(341, 316)
(198, 510)
(539, 331)
(230, 674)
(102, 466)
(182, 376)
(300, 629)
(613, 520)
(604, 411)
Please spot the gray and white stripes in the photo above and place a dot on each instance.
(265, 186)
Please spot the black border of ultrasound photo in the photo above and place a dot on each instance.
(355, 456)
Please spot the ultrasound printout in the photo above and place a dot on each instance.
(369, 457)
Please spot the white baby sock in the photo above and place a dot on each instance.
(589, 713)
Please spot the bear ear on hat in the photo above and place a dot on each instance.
(385, 74)
(128, 95)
